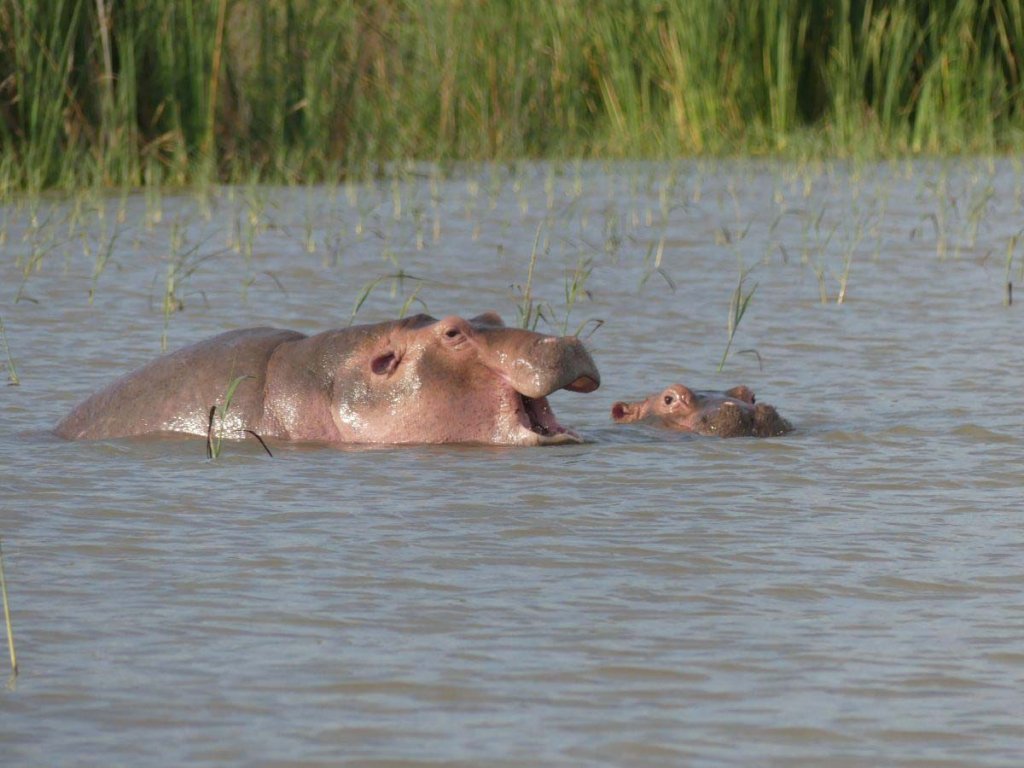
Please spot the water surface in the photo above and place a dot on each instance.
(848, 595)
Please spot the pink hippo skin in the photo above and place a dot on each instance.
(733, 413)
(417, 380)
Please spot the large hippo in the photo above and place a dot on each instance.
(733, 413)
(416, 380)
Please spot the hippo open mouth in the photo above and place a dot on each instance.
(536, 415)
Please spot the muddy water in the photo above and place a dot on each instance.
(848, 595)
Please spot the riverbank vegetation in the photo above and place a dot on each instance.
(144, 92)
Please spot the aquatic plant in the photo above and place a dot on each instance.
(7, 613)
(397, 285)
(146, 92)
(737, 309)
(653, 266)
(103, 253)
(182, 263)
(1011, 248)
(218, 416)
(12, 372)
(528, 312)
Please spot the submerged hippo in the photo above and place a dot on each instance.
(417, 380)
(733, 413)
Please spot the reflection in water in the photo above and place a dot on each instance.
(847, 594)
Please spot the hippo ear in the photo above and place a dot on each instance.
(488, 318)
(385, 363)
(746, 394)
(768, 423)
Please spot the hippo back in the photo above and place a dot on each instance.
(175, 392)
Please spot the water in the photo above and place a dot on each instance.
(847, 595)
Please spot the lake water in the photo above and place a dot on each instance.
(851, 594)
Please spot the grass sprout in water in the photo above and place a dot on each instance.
(1011, 248)
(575, 286)
(652, 265)
(397, 286)
(181, 265)
(12, 372)
(103, 252)
(530, 311)
(214, 444)
(737, 309)
(527, 311)
(7, 614)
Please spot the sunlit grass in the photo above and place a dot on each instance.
(144, 92)
(218, 420)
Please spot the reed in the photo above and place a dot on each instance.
(528, 311)
(575, 287)
(12, 372)
(1011, 248)
(183, 261)
(150, 92)
(7, 614)
(218, 418)
(397, 286)
(737, 309)
(104, 252)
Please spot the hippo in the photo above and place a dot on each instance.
(414, 380)
(733, 413)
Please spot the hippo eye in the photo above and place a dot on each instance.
(451, 333)
(669, 399)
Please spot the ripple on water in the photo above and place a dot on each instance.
(844, 595)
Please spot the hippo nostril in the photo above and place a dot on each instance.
(583, 384)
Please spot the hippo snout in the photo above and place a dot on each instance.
(588, 378)
(556, 363)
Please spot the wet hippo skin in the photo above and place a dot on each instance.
(733, 413)
(415, 380)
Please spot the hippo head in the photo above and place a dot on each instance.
(422, 380)
(732, 413)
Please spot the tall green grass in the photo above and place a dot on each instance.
(98, 92)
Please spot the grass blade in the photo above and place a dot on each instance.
(7, 613)
(12, 372)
